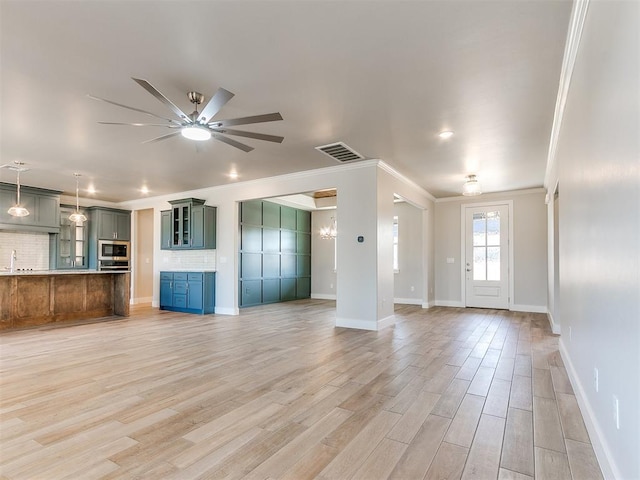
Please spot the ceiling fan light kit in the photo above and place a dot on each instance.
(471, 187)
(195, 132)
(199, 125)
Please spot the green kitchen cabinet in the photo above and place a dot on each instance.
(165, 230)
(43, 206)
(110, 223)
(188, 292)
(189, 225)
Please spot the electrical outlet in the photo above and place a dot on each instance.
(413, 288)
(595, 379)
(616, 412)
(569, 333)
(331, 285)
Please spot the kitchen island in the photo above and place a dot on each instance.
(31, 298)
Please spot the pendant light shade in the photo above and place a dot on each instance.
(18, 210)
(76, 216)
(471, 187)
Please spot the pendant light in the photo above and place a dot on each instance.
(471, 187)
(18, 210)
(76, 216)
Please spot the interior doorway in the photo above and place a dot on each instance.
(486, 255)
(143, 256)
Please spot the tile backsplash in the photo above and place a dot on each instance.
(32, 250)
(188, 259)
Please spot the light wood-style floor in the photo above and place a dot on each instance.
(278, 392)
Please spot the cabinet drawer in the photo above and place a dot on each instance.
(180, 301)
(166, 276)
(195, 277)
(180, 276)
(180, 287)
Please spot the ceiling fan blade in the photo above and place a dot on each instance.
(233, 143)
(219, 99)
(153, 91)
(133, 108)
(141, 124)
(268, 117)
(257, 136)
(162, 137)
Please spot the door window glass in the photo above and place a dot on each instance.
(486, 246)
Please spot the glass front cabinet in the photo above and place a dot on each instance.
(189, 225)
(72, 241)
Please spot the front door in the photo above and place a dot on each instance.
(487, 256)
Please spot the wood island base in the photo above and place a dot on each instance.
(32, 299)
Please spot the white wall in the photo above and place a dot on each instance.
(598, 169)
(410, 246)
(410, 252)
(323, 275)
(529, 245)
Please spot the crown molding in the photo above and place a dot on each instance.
(576, 25)
(390, 170)
(492, 195)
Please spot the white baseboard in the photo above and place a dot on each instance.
(603, 453)
(387, 322)
(529, 308)
(447, 303)
(227, 311)
(323, 296)
(357, 324)
(428, 304)
(155, 303)
(408, 301)
(555, 327)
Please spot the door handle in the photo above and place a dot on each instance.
(468, 269)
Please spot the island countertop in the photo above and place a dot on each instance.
(30, 298)
(60, 272)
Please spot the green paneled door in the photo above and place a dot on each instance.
(275, 253)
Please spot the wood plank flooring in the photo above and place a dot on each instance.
(279, 392)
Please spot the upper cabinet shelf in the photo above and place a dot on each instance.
(189, 225)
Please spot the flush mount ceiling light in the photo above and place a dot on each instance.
(446, 134)
(18, 210)
(76, 216)
(471, 187)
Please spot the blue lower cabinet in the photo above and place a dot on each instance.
(188, 292)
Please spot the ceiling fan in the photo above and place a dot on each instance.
(199, 125)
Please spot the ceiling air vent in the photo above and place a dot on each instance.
(340, 152)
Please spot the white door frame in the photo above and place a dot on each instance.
(463, 253)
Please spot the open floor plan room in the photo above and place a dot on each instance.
(279, 392)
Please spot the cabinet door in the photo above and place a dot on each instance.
(194, 297)
(106, 223)
(181, 225)
(47, 212)
(197, 226)
(166, 292)
(165, 230)
(123, 226)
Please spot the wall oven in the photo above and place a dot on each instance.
(113, 255)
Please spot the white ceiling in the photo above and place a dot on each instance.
(382, 76)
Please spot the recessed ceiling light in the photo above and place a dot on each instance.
(144, 189)
(91, 189)
(446, 134)
(233, 175)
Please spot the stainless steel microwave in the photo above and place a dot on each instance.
(113, 250)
